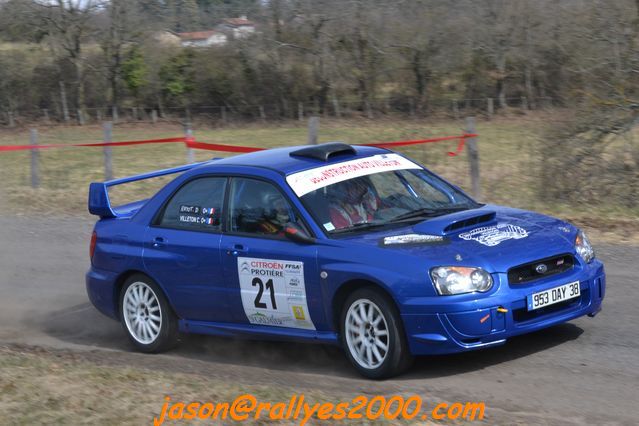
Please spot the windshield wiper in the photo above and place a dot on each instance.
(429, 212)
(359, 226)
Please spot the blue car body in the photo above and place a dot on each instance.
(198, 271)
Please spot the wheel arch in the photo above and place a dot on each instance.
(122, 278)
(346, 289)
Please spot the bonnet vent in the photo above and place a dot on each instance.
(324, 151)
(470, 222)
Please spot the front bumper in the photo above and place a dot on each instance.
(448, 324)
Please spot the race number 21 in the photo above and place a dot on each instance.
(257, 282)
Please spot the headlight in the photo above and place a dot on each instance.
(583, 247)
(457, 280)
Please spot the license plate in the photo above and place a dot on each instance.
(553, 295)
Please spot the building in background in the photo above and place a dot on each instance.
(237, 28)
(166, 38)
(203, 38)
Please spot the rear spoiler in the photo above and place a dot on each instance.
(99, 203)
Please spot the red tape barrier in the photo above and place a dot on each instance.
(62, 145)
(460, 145)
(192, 143)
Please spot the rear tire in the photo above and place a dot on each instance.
(372, 334)
(146, 316)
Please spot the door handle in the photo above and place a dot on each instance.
(236, 250)
(159, 242)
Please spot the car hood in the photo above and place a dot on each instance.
(493, 237)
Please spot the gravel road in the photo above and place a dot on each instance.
(586, 371)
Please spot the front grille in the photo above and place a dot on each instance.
(533, 271)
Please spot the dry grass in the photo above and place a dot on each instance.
(42, 387)
(508, 155)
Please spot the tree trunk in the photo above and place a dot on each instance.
(63, 99)
(421, 79)
(501, 86)
(79, 82)
(530, 91)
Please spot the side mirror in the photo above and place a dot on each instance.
(295, 233)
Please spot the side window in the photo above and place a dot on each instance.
(197, 206)
(258, 207)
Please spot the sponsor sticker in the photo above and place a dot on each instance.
(309, 180)
(493, 235)
(329, 226)
(412, 239)
(273, 292)
(298, 312)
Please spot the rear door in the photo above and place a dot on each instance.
(273, 281)
(182, 250)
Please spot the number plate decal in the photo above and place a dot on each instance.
(273, 292)
(554, 295)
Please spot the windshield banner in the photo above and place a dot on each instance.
(310, 180)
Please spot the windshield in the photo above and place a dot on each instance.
(382, 200)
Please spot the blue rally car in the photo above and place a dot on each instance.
(356, 246)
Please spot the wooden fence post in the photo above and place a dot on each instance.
(108, 153)
(35, 157)
(524, 103)
(300, 111)
(45, 113)
(473, 157)
(262, 113)
(80, 117)
(190, 154)
(12, 121)
(223, 114)
(455, 109)
(65, 107)
(313, 129)
(411, 107)
(490, 107)
(154, 116)
(114, 114)
(338, 112)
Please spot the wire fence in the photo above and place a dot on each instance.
(219, 115)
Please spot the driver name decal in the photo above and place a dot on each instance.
(273, 292)
(493, 235)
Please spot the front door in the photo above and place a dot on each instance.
(273, 281)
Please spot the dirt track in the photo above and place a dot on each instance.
(576, 373)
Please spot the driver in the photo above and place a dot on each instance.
(352, 202)
(277, 217)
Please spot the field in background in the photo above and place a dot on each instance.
(508, 147)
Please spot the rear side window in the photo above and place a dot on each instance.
(197, 206)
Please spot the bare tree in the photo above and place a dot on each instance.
(68, 24)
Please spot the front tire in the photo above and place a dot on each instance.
(373, 336)
(146, 315)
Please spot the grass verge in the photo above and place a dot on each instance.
(62, 387)
(509, 162)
